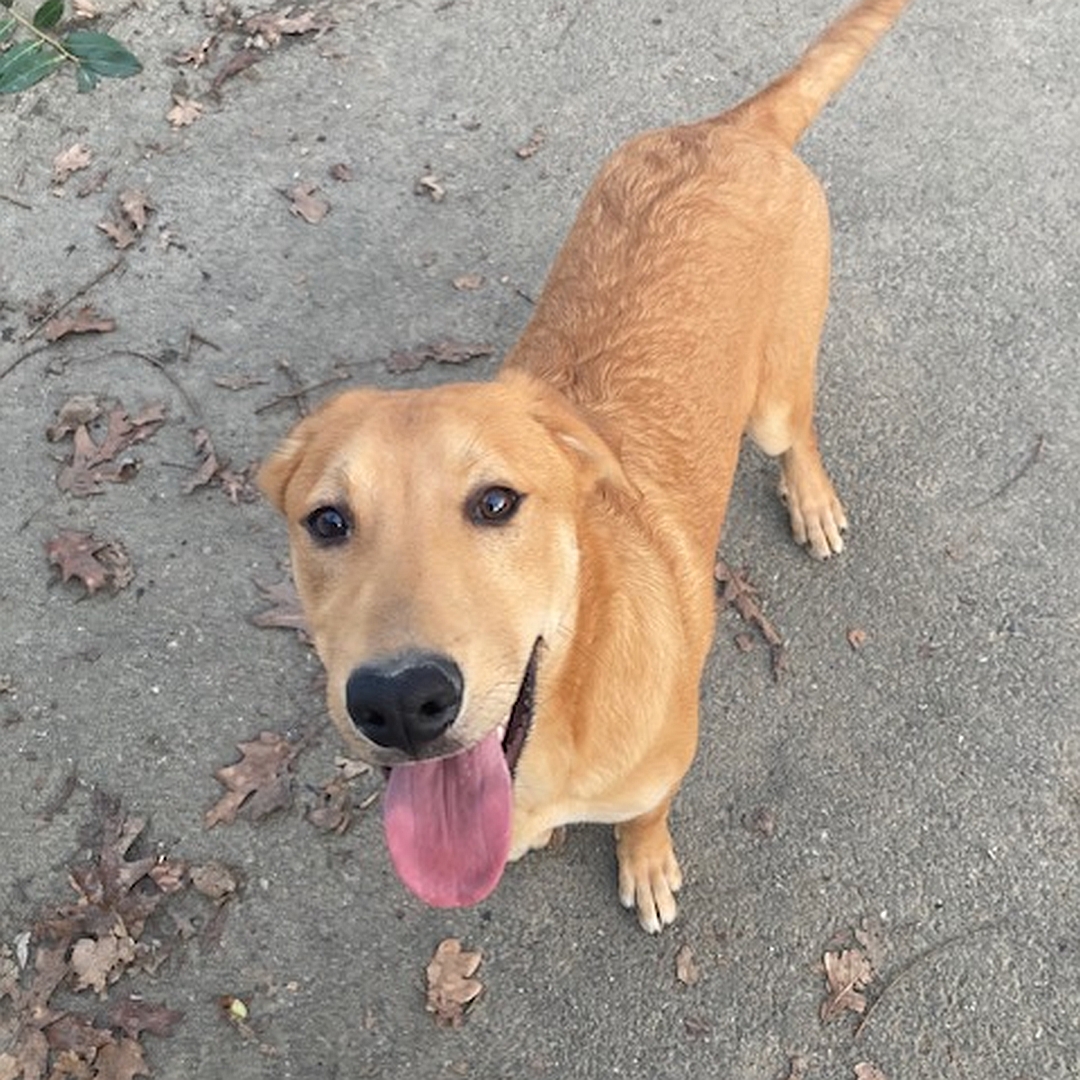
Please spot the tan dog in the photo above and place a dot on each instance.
(510, 584)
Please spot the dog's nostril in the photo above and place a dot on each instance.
(406, 702)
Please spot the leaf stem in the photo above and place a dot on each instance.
(27, 24)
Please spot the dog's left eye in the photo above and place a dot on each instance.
(493, 505)
(327, 525)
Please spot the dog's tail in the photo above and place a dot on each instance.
(787, 106)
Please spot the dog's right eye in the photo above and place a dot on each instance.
(328, 525)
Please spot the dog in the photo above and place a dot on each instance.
(510, 584)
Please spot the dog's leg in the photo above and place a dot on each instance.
(649, 873)
(782, 419)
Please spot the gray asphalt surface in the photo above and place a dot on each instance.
(925, 785)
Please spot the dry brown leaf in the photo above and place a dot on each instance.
(450, 983)
(335, 806)
(78, 411)
(738, 592)
(121, 1061)
(536, 140)
(96, 563)
(431, 186)
(341, 172)
(846, 974)
(96, 962)
(93, 463)
(196, 56)
(70, 160)
(866, 1070)
(215, 880)
(136, 208)
(133, 212)
(85, 321)
(468, 282)
(184, 112)
(446, 351)
(308, 202)
(686, 969)
(259, 780)
(268, 27)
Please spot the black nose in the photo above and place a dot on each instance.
(404, 702)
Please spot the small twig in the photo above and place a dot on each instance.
(193, 339)
(19, 359)
(1033, 457)
(167, 374)
(918, 961)
(77, 295)
(296, 395)
(15, 201)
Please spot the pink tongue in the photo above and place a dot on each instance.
(447, 824)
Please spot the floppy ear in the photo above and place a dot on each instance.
(277, 470)
(577, 433)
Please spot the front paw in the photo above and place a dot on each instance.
(649, 877)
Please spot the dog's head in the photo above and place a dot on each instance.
(435, 545)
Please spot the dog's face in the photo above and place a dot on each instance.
(434, 538)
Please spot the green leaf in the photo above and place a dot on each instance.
(102, 54)
(25, 65)
(7, 28)
(49, 14)
(85, 79)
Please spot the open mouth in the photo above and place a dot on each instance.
(448, 820)
(521, 714)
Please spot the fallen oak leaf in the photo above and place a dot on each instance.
(85, 321)
(184, 112)
(68, 161)
(136, 208)
(238, 486)
(259, 780)
(450, 983)
(334, 810)
(198, 55)
(738, 591)
(96, 563)
(847, 973)
(92, 463)
(97, 962)
(122, 1060)
(686, 969)
(307, 202)
(447, 351)
(215, 880)
(268, 27)
(78, 411)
